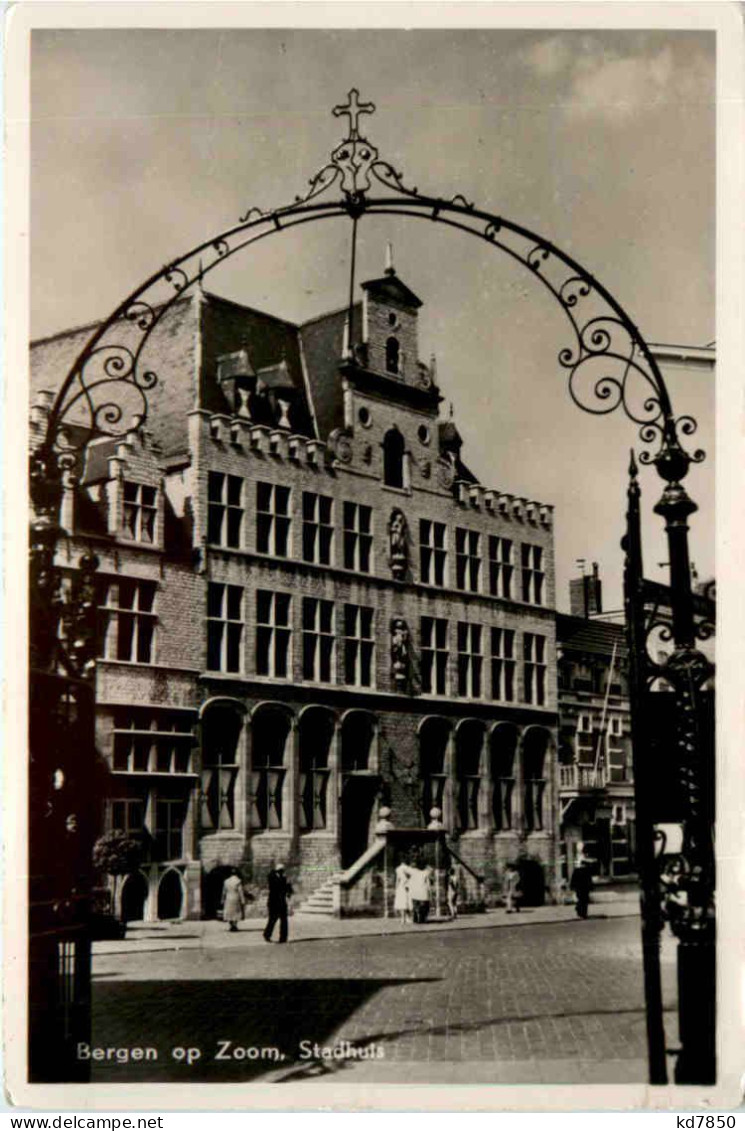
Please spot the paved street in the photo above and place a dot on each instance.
(534, 1002)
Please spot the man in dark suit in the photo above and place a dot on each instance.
(280, 891)
(581, 883)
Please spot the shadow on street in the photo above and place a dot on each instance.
(254, 1015)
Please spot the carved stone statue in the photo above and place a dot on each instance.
(398, 542)
(400, 651)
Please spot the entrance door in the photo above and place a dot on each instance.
(357, 799)
(212, 891)
(170, 896)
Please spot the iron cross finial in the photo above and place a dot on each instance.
(352, 110)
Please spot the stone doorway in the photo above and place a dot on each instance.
(134, 898)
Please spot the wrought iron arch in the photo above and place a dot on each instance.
(607, 347)
(608, 365)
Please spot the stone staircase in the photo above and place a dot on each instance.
(321, 902)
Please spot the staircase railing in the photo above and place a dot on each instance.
(344, 900)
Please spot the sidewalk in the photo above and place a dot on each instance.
(214, 935)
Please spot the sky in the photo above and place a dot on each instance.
(144, 143)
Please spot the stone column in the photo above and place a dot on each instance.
(290, 795)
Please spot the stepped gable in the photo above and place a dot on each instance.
(322, 341)
(594, 636)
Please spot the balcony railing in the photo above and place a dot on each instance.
(576, 777)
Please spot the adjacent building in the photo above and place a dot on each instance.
(317, 628)
(596, 779)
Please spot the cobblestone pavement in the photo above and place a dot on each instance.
(557, 1002)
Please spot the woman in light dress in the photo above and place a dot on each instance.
(402, 895)
(233, 900)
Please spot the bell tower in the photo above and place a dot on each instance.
(389, 328)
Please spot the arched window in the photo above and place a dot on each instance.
(433, 742)
(393, 458)
(503, 745)
(392, 355)
(357, 733)
(316, 735)
(535, 747)
(270, 732)
(468, 742)
(221, 728)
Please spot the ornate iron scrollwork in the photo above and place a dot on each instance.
(608, 363)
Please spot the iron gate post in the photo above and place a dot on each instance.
(651, 912)
(687, 669)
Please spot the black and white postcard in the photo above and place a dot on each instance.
(368, 367)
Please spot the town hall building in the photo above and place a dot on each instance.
(322, 640)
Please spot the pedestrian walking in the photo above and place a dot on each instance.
(419, 885)
(402, 894)
(453, 892)
(280, 890)
(233, 900)
(581, 883)
(512, 891)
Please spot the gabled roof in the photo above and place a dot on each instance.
(322, 342)
(390, 288)
(579, 634)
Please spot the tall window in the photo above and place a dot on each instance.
(432, 552)
(359, 645)
(535, 747)
(221, 729)
(138, 518)
(532, 573)
(357, 537)
(318, 530)
(434, 655)
(469, 740)
(470, 660)
(467, 559)
(271, 729)
(500, 567)
(156, 742)
(434, 736)
(273, 633)
(169, 823)
(503, 664)
(503, 746)
(224, 509)
(127, 620)
(393, 458)
(316, 735)
(392, 355)
(272, 519)
(585, 739)
(224, 627)
(619, 753)
(318, 640)
(534, 668)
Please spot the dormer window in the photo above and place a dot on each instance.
(138, 515)
(393, 458)
(392, 355)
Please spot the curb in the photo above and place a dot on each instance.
(205, 941)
